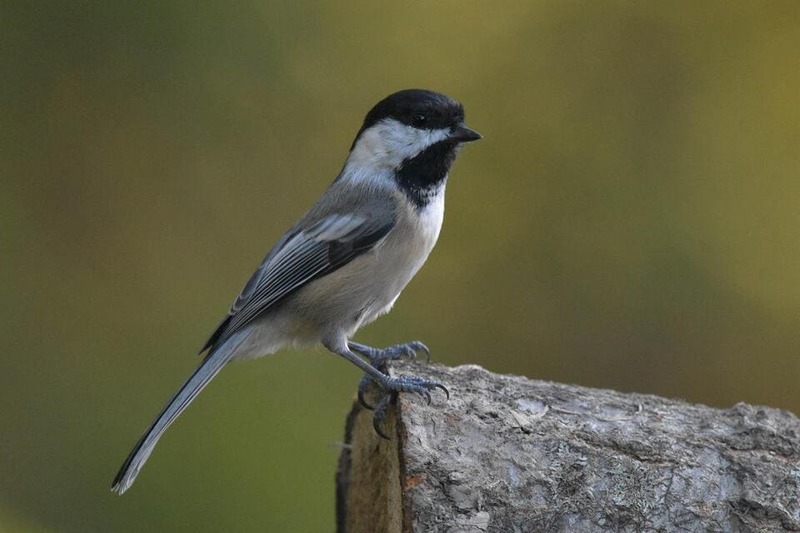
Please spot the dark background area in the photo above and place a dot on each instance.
(630, 221)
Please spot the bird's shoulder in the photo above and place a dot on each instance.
(344, 198)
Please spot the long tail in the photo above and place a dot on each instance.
(201, 377)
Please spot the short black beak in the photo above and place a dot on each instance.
(463, 134)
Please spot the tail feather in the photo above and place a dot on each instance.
(201, 377)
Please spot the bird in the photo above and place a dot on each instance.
(345, 262)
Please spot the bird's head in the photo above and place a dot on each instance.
(406, 124)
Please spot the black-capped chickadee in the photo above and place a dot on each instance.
(347, 260)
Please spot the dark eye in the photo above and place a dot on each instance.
(418, 120)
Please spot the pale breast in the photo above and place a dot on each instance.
(367, 287)
(404, 252)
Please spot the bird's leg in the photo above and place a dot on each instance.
(390, 385)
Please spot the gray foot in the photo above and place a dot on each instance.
(391, 386)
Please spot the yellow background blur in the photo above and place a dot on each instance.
(631, 220)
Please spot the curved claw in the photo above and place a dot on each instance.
(444, 389)
(381, 410)
(418, 346)
(363, 387)
(427, 395)
(364, 403)
(426, 351)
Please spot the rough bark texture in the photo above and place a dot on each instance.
(508, 454)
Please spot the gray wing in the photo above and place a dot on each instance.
(298, 258)
(330, 242)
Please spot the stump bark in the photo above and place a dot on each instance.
(509, 454)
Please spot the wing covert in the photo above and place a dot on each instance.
(298, 258)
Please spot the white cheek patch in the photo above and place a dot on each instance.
(389, 142)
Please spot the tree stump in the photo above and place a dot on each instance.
(509, 454)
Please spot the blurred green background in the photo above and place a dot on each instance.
(631, 220)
